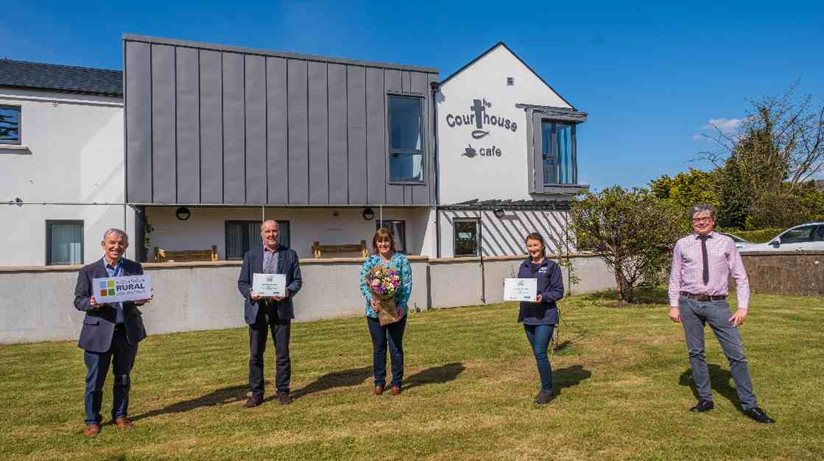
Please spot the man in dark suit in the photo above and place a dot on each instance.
(269, 313)
(110, 332)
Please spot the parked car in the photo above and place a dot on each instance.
(809, 236)
(739, 242)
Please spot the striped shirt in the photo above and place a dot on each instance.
(724, 260)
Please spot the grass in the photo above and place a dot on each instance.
(622, 375)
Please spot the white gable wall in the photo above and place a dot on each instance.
(487, 177)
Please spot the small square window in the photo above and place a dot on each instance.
(466, 237)
(64, 242)
(9, 124)
(242, 236)
(510, 81)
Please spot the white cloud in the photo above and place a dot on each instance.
(726, 126)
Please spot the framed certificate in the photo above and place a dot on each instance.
(520, 290)
(119, 289)
(269, 284)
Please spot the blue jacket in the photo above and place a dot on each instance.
(253, 264)
(398, 262)
(551, 289)
(98, 325)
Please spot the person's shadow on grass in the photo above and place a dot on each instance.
(567, 377)
(343, 378)
(435, 375)
(220, 396)
(719, 381)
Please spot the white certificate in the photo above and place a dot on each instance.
(269, 284)
(520, 289)
(119, 289)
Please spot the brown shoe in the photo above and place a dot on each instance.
(378, 390)
(396, 390)
(123, 423)
(253, 401)
(283, 398)
(91, 430)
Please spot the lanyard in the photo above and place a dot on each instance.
(118, 268)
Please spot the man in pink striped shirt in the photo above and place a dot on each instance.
(701, 265)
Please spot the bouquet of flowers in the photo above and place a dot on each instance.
(383, 282)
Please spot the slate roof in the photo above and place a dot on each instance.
(56, 77)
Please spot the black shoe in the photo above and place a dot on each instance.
(702, 406)
(283, 398)
(253, 401)
(544, 397)
(759, 415)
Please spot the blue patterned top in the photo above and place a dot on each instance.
(397, 262)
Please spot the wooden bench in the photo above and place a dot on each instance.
(161, 255)
(357, 250)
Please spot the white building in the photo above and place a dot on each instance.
(219, 138)
(61, 162)
(507, 157)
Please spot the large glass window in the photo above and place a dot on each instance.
(466, 237)
(64, 242)
(405, 139)
(558, 152)
(241, 236)
(398, 229)
(9, 125)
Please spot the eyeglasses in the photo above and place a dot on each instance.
(702, 219)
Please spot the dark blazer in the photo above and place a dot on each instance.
(98, 325)
(551, 289)
(252, 264)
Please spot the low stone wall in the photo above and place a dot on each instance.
(36, 302)
(786, 273)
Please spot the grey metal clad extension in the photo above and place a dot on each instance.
(338, 143)
(216, 125)
(298, 132)
(375, 128)
(188, 126)
(234, 127)
(255, 90)
(276, 132)
(211, 127)
(356, 78)
(164, 145)
(318, 133)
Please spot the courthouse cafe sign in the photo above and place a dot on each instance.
(483, 120)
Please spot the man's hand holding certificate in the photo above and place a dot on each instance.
(269, 286)
(517, 289)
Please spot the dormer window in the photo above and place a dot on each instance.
(558, 153)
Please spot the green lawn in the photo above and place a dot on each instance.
(622, 374)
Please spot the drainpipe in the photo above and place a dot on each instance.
(481, 252)
(435, 86)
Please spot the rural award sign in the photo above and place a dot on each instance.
(119, 289)
(520, 289)
(269, 284)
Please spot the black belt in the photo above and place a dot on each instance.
(703, 297)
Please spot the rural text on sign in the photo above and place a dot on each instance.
(119, 289)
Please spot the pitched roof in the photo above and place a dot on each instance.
(56, 77)
(494, 47)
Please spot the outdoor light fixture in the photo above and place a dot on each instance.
(183, 213)
(368, 214)
(499, 213)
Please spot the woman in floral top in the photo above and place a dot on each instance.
(384, 246)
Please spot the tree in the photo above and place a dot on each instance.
(688, 188)
(632, 231)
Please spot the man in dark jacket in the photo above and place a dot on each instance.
(269, 313)
(110, 332)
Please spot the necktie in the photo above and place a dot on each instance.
(706, 274)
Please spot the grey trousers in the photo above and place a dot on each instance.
(694, 314)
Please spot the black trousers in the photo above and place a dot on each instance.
(268, 320)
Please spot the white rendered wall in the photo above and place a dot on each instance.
(71, 152)
(206, 226)
(485, 177)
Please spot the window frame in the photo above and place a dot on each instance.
(49, 224)
(554, 152)
(248, 245)
(477, 223)
(380, 224)
(423, 132)
(19, 141)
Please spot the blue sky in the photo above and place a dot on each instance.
(651, 76)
